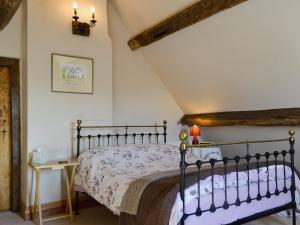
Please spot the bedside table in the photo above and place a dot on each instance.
(64, 165)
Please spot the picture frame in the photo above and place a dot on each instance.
(72, 74)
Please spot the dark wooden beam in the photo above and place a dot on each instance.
(271, 117)
(187, 17)
(7, 9)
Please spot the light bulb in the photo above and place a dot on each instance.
(75, 5)
(93, 10)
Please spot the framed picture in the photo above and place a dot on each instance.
(72, 74)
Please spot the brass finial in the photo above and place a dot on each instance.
(78, 124)
(292, 132)
(165, 123)
(183, 136)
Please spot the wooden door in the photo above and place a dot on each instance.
(5, 139)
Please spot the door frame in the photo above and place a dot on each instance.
(13, 65)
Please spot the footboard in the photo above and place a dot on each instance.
(248, 164)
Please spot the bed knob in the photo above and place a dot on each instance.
(78, 125)
(165, 123)
(183, 136)
(292, 132)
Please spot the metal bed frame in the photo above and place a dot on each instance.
(110, 137)
(257, 158)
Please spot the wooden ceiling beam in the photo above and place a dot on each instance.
(187, 17)
(7, 10)
(270, 117)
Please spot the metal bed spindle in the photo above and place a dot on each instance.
(259, 197)
(237, 201)
(248, 158)
(293, 188)
(198, 211)
(225, 205)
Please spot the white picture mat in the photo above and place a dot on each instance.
(72, 74)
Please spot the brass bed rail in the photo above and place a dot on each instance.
(123, 126)
(184, 144)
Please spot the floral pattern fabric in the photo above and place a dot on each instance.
(105, 173)
(265, 176)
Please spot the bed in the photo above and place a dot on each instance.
(146, 181)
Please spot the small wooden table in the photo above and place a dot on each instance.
(57, 165)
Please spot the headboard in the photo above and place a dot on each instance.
(110, 137)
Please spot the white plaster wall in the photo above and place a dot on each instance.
(11, 36)
(139, 96)
(51, 115)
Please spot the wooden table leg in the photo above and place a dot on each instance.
(69, 201)
(38, 197)
(35, 196)
(71, 184)
(39, 201)
(72, 178)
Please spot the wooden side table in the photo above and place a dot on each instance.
(62, 165)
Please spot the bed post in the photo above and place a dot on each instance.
(293, 188)
(165, 131)
(183, 136)
(77, 154)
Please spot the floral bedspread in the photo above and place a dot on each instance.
(105, 173)
(191, 193)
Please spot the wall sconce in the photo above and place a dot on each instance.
(80, 28)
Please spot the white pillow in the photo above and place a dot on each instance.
(208, 153)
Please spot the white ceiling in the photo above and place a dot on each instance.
(240, 59)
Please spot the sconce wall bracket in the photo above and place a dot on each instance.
(79, 28)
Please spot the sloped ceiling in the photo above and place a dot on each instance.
(244, 58)
(7, 9)
(141, 14)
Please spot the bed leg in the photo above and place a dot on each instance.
(77, 203)
(294, 216)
